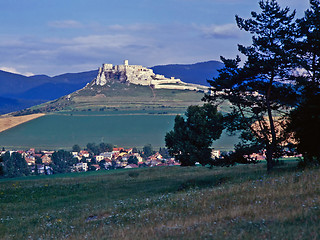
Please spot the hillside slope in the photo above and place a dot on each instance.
(240, 202)
(129, 88)
(121, 97)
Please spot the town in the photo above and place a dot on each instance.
(93, 158)
(96, 157)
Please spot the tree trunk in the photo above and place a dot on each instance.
(272, 146)
(269, 153)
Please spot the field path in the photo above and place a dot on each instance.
(10, 122)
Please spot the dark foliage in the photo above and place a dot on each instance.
(1, 167)
(14, 165)
(147, 150)
(62, 161)
(305, 124)
(97, 149)
(133, 160)
(76, 148)
(304, 120)
(191, 139)
(164, 152)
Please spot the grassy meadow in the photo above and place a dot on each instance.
(240, 202)
(122, 128)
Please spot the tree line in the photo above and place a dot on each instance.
(273, 93)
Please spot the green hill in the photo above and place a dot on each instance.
(121, 96)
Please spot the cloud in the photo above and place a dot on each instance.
(13, 70)
(65, 24)
(142, 44)
(131, 27)
(219, 31)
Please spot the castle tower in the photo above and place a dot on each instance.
(126, 62)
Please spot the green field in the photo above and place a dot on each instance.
(240, 202)
(127, 129)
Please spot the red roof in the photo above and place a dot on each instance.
(117, 149)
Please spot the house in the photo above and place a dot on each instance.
(75, 154)
(117, 150)
(170, 162)
(31, 160)
(41, 169)
(107, 164)
(80, 167)
(96, 166)
(122, 154)
(46, 159)
(84, 154)
(158, 156)
(215, 154)
(48, 170)
(48, 152)
(137, 155)
(153, 162)
(31, 151)
(131, 166)
(99, 158)
(257, 156)
(107, 155)
(129, 151)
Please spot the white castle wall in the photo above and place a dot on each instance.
(140, 75)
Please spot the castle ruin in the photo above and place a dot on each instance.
(139, 75)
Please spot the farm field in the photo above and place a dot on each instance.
(240, 202)
(7, 122)
(122, 128)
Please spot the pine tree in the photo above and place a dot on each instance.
(260, 91)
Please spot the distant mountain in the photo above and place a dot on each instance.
(49, 88)
(18, 92)
(15, 84)
(197, 73)
(10, 105)
(42, 86)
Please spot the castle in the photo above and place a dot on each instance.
(139, 75)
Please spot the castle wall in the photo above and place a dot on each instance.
(140, 75)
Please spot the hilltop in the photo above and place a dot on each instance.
(127, 87)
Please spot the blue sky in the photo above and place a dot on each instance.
(58, 36)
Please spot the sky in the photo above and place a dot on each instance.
(58, 36)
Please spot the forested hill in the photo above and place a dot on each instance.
(197, 73)
(18, 92)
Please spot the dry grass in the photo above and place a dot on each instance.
(285, 207)
(8, 122)
(165, 203)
